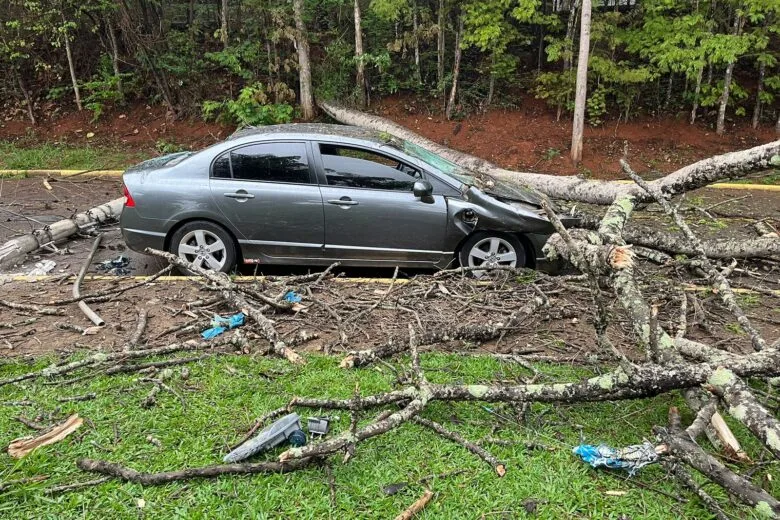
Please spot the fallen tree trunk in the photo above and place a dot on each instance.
(760, 247)
(699, 174)
(14, 251)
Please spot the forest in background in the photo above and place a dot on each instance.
(262, 61)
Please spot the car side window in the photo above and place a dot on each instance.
(269, 162)
(221, 168)
(359, 168)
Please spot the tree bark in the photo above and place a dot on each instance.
(360, 77)
(28, 100)
(114, 55)
(440, 48)
(223, 32)
(571, 24)
(416, 29)
(582, 84)
(304, 63)
(696, 93)
(72, 68)
(731, 165)
(759, 91)
(491, 90)
(724, 98)
(744, 407)
(150, 479)
(455, 69)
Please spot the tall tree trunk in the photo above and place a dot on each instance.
(724, 98)
(777, 125)
(72, 68)
(696, 93)
(304, 64)
(759, 91)
(223, 33)
(668, 100)
(491, 90)
(191, 13)
(582, 84)
(360, 77)
(28, 99)
(440, 48)
(540, 49)
(570, 25)
(415, 26)
(455, 69)
(114, 55)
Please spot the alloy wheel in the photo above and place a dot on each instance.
(203, 249)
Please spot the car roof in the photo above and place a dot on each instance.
(316, 131)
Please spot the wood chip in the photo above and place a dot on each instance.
(25, 445)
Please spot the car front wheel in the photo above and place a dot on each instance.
(206, 245)
(486, 249)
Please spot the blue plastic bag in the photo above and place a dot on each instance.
(293, 297)
(631, 458)
(219, 325)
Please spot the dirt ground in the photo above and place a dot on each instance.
(527, 137)
(563, 330)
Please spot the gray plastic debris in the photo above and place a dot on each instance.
(42, 268)
(318, 425)
(273, 435)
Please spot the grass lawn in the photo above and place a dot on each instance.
(224, 394)
(53, 156)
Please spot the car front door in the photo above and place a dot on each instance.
(269, 193)
(371, 213)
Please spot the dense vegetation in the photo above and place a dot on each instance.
(239, 60)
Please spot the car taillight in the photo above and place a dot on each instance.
(129, 202)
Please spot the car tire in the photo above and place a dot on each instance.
(491, 248)
(206, 245)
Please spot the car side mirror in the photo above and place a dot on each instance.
(423, 190)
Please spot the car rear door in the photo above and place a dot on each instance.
(268, 191)
(371, 213)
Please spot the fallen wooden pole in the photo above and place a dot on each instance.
(14, 251)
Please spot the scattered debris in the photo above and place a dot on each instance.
(293, 297)
(117, 266)
(273, 435)
(92, 315)
(393, 489)
(418, 506)
(25, 445)
(631, 458)
(219, 325)
(318, 426)
(42, 268)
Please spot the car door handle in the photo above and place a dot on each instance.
(343, 202)
(239, 195)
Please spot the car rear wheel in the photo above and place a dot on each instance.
(205, 245)
(490, 249)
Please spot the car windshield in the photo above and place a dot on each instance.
(500, 189)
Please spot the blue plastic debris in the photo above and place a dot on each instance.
(293, 297)
(220, 325)
(631, 458)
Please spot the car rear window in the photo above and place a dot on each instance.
(270, 162)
